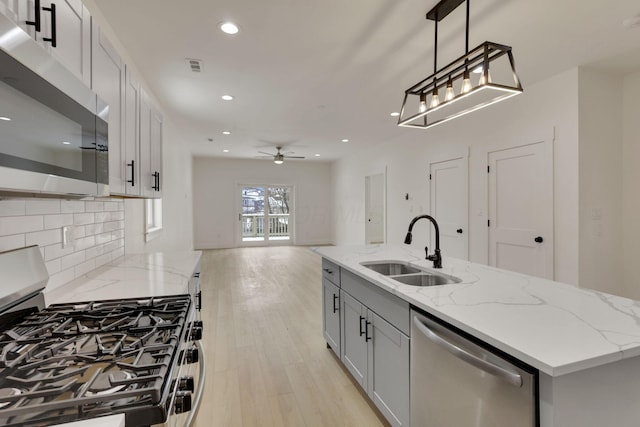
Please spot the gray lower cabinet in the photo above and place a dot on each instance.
(331, 315)
(354, 338)
(368, 328)
(376, 353)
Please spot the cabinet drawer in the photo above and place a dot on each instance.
(331, 271)
(388, 306)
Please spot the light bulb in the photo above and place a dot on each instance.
(423, 102)
(435, 100)
(482, 80)
(449, 94)
(466, 83)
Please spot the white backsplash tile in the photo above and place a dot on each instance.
(44, 238)
(12, 207)
(96, 229)
(40, 207)
(20, 224)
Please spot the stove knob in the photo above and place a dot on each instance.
(182, 402)
(186, 384)
(197, 324)
(192, 356)
(196, 334)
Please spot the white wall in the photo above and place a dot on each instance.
(631, 185)
(547, 110)
(601, 178)
(215, 214)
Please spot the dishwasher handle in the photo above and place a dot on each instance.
(511, 377)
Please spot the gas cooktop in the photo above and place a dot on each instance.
(81, 360)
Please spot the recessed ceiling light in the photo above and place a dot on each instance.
(394, 114)
(227, 97)
(229, 28)
(225, 151)
(317, 155)
(345, 140)
(226, 132)
(66, 142)
(6, 119)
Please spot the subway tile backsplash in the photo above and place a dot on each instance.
(96, 233)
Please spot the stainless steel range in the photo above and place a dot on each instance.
(75, 361)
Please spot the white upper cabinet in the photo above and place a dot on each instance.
(67, 35)
(131, 148)
(62, 27)
(150, 148)
(108, 82)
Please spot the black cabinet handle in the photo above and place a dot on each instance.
(328, 271)
(199, 301)
(335, 298)
(459, 231)
(362, 330)
(54, 35)
(366, 331)
(538, 239)
(37, 21)
(133, 173)
(156, 181)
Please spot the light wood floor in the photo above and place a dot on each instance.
(267, 361)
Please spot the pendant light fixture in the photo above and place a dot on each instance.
(423, 108)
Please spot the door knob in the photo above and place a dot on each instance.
(539, 239)
(459, 231)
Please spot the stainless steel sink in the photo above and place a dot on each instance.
(391, 268)
(425, 279)
(408, 275)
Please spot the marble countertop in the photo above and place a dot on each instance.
(131, 276)
(555, 327)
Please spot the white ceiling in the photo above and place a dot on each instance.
(307, 74)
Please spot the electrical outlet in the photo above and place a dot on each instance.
(67, 236)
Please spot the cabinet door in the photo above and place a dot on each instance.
(108, 81)
(354, 337)
(156, 151)
(331, 315)
(72, 33)
(388, 372)
(131, 149)
(150, 148)
(146, 178)
(10, 8)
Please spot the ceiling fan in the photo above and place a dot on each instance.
(278, 158)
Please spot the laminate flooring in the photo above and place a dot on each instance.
(267, 361)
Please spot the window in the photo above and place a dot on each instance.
(153, 219)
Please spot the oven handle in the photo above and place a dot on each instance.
(200, 390)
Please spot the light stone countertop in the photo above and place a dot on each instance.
(131, 276)
(555, 327)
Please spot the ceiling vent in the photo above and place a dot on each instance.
(195, 65)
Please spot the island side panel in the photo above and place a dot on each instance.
(608, 395)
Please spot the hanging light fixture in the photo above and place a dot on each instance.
(490, 89)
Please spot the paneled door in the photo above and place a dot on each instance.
(266, 215)
(375, 206)
(521, 209)
(449, 205)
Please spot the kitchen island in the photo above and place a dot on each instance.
(584, 343)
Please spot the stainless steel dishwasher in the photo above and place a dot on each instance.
(456, 382)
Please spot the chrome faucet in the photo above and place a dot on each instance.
(436, 257)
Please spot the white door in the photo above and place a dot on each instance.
(521, 209)
(374, 205)
(450, 205)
